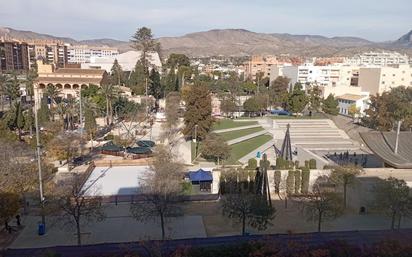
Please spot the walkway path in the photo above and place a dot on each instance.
(247, 137)
(235, 129)
(263, 148)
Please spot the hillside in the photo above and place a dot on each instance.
(240, 42)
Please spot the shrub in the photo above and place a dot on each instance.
(277, 178)
(109, 137)
(296, 164)
(297, 181)
(290, 182)
(312, 164)
(305, 181)
(251, 164)
(307, 164)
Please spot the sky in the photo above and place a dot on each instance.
(376, 20)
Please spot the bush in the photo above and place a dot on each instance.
(109, 137)
(251, 164)
(290, 182)
(296, 164)
(305, 181)
(307, 164)
(277, 178)
(298, 181)
(312, 164)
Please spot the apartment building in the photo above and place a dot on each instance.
(377, 80)
(13, 56)
(348, 101)
(319, 75)
(51, 51)
(84, 53)
(259, 64)
(378, 59)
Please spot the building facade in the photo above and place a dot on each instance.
(350, 101)
(377, 80)
(13, 56)
(84, 53)
(259, 64)
(51, 51)
(68, 80)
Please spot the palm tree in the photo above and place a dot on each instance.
(53, 92)
(109, 92)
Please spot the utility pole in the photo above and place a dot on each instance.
(38, 146)
(81, 122)
(397, 137)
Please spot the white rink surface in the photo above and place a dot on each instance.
(109, 181)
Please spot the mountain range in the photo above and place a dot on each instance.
(240, 42)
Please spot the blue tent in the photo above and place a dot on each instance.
(200, 176)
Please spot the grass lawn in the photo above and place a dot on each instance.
(241, 149)
(239, 133)
(226, 124)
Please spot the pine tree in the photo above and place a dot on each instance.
(330, 105)
(90, 124)
(116, 74)
(137, 81)
(198, 112)
(297, 99)
(155, 88)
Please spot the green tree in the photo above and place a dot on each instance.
(13, 88)
(278, 91)
(137, 80)
(15, 118)
(215, 148)
(330, 105)
(116, 74)
(249, 87)
(3, 91)
(43, 113)
(29, 120)
(297, 99)
(248, 209)
(391, 196)
(251, 105)
(90, 124)
(177, 60)
(345, 176)
(143, 41)
(198, 112)
(315, 99)
(155, 87)
(228, 106)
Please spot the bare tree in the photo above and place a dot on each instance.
(392, 197)
(248, 209)
(320, 205)
(161, 189)
(65, 146)
(344, 176)
(77, 208)
(9, 206)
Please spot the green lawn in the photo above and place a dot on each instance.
(226, 124)
(239, 133)
(241, 149)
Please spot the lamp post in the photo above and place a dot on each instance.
(38, 146)
(195, 140)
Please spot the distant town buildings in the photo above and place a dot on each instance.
(51, 51)
(378, 59)
(260, 64)
(127, 60)
(85, 53)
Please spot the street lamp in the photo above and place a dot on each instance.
(38, 146)
(195, 140)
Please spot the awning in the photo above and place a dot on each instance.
(200, 176)
(139, 150)
(145, 143)
(111, 147)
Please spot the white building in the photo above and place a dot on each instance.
(346, 101)
(84, 53)
(126, 60)
(377, 80)
(378, 59)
